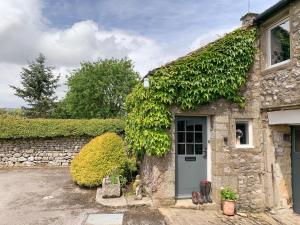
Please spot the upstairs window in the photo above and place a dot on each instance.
(279, 43)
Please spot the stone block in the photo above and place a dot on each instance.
(17, 155)
(22, 159)
(109, 189)
(31, 159)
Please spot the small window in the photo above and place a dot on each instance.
(279, 43)
(243, 130)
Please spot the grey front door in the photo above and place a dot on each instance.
(191, 154)
(296, 167)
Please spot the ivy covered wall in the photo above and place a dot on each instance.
(215, 71)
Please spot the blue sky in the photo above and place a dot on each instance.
(171, 22)
(150, 32)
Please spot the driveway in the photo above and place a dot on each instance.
(44, 196)
(47, 196)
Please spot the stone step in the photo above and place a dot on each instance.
(188, 204)
(122, 201)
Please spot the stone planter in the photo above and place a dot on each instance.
(109, 189)
(229, 207)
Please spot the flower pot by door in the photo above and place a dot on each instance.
(228, 207)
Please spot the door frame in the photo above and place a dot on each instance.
(209, 152)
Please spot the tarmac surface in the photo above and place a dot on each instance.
(48, 196)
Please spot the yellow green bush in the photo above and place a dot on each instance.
(102, 156)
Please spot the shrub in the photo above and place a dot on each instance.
(102, 156)
(34, 128)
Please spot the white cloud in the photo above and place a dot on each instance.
(209, 37)
(85, 40)
(7, 75)
(24, 33)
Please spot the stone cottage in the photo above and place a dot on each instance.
(262, 165)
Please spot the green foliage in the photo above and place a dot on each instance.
(114, 179)
(228, 194)
(38, 88)
(98, 89)
(11, 113)
(104, 155)
(216, 71)
(12, 127)
(126, 172)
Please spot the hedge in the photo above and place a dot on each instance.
(42, 128)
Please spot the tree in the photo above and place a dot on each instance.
(38, 88)
(98, 89)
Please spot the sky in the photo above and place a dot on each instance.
(67, 32)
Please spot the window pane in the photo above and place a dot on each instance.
(190, 125)
(181, 137)
(180, 125)
(189, 137)
(181, 149)
(280, 43)
(198, 137)
(198, 127)
(198, 149)
(190, 149)
(242, 132)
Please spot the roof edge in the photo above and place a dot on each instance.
(271, 11)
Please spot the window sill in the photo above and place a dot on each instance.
(244, 146)
(277, 66)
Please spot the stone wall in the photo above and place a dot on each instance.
(278, 174)
(158, 174)
(281, 139)
(54, 151)
(280, 85)
(280, 90)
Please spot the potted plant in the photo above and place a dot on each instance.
(228, 201)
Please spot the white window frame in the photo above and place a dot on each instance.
(269, 59)
(250, 133)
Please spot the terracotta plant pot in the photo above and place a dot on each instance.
(228, 207)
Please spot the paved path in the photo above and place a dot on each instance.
(287, 217)
(210, 217)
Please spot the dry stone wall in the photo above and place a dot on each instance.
(55, 151)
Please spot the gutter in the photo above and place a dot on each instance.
(271, 11)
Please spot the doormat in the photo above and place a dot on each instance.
(104, 219)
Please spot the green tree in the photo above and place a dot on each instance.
(98, 89)
(38, 88)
